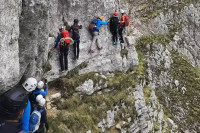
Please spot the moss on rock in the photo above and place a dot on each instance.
(178, 101)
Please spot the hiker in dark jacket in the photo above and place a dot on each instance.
(114, 25)
(12, 105)
(76, 37)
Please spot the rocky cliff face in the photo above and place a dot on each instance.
(39, 22)
(148, 84)
(9, 45)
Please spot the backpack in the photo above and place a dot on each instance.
(33, 96)
(126, 19)
(75, 31)
(65, 39)
(34, 121)
(93, 25)
(114, 22)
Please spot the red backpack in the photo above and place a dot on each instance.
(66, 38)
(126, 20)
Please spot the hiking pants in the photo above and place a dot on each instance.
(121, 28)
(63, 54)
(114, 33)
(76, 48)
(94, 40)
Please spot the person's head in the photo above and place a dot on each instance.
(115, 14)
(40, 85)
(38, 98)
(122, 11)
(41, 102)
(75, 21)
(12, 104)
(61, 28)
(30, 84)
(100, 17)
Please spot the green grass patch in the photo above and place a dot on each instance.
(147, 94)
(145, 40)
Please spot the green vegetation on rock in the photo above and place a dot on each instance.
(145, 40)
(188, 77)
(152, 8)
(82, 113)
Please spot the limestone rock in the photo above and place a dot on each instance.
(57, 95)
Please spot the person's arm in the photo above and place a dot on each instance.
(45, 92)
(123, 20)
(26, 117)
(103, 23)
(58, 40)
(80, 26)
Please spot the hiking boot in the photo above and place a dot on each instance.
(91, 51)
(100, 48)
(122, 41)
(117, 42)
(114, 43)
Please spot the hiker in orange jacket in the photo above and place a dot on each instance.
(122, 26)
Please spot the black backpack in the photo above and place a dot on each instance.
(33, 96)
(114, 22)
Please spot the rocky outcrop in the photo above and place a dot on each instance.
(36, 27)
(9, 46)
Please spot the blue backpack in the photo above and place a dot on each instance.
(34, 121)
(93, 25)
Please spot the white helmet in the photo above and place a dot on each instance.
(38, 98)
(30, 84)
(40, 85)
(122, 11)
(42, 102)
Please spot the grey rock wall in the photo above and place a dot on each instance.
(106, 60)
(29, 29)
(9, 46)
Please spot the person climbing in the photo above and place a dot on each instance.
(94, 26)
(76, 37)
(63, 40)
(38, 91)
(39, 110)
(122, 25)
(12, 105)
(114, 24)
(29, 85)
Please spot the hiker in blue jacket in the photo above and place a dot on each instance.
(29, 85)
(38, 91)
(95, 33)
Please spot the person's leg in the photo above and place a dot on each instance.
(113, 37)
(66, 56)
(120, 34)
(98, 44)
(117, 36)
(75, 46)
(93, 42)
(78, 42)
(61, 57)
